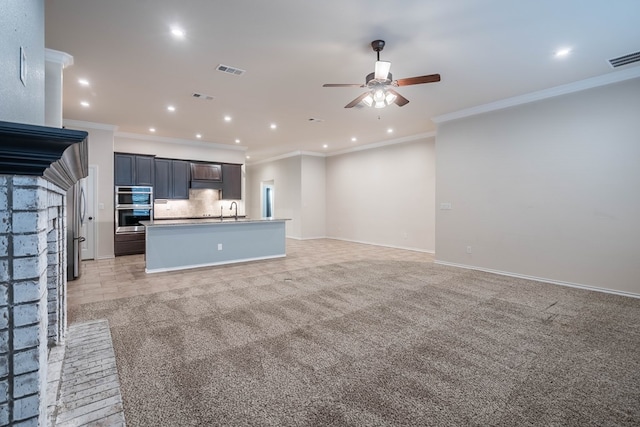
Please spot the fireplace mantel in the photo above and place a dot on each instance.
(58, 155)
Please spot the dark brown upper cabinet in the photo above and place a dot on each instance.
(172, 179)
(133, 169)
(231, 182)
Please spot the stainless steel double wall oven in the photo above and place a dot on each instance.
(133, 204)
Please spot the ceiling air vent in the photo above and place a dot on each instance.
(198, 95)
(625, 60)
(230, 70)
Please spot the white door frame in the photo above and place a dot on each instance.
(91, 195)
(263, 199)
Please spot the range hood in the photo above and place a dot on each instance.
(206, 175)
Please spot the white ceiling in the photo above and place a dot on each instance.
(484, 50)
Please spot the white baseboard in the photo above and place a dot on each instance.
(541, 279)
(384, 246)
(364, 243)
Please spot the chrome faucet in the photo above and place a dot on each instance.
(231, 208)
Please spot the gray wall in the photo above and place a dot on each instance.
(286, 176)
(22, 25)
(313, 197)
(177, 149)
(549, 189)
(384, 196)
(379, 195)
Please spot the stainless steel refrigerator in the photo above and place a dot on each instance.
(76, 210)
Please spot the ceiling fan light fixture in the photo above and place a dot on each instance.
(382, 70)
(390, 98)
(379, 98)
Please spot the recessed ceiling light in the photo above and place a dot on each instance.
(152, 129)
(171, 108)
(198, 135)
(273, 126)
(325, 146)
(83, 82)
(562, 52)
(248, 157)
(84, 103)
(390, 130)
(177, 32)
(227, 118)
(354, 139)
(237, 141)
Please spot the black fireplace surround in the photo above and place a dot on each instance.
(58, 155)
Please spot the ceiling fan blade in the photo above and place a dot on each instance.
(342, 85)
(400, 100)
(431, 78)
(357, 100)
(382, 70)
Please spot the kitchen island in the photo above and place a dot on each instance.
(190, 243)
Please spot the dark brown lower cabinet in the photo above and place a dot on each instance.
(129, 244)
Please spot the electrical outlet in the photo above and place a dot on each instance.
(445, 206)
(219, 246)
(468, 249)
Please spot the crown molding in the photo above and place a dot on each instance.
(179, 141)
(58, 57)
(371, 146)
(614, 77)
(288, 155)
(88, 125)
(349, 150)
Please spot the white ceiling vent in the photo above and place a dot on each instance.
(230, 70)
(625, 60)
(203, 96)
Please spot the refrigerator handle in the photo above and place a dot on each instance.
(83, 205)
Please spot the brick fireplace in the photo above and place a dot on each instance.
(37, 166)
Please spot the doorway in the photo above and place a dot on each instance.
(267, 193)
(88, 220)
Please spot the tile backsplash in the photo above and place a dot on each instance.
(201, 203)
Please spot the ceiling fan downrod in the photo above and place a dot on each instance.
(377, 46)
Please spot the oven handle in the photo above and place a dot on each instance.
(136, 207)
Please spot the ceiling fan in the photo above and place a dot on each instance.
(380, 83)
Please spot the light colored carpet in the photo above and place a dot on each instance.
(373, 343)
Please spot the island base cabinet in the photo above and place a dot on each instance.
(192, 245)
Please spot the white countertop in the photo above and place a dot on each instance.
(207, 221)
